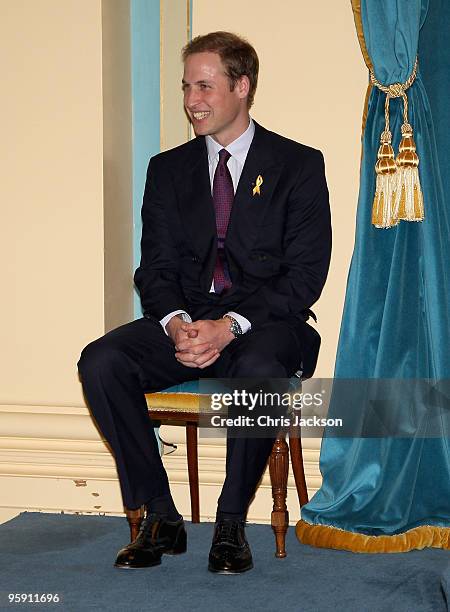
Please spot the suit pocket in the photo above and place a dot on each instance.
(262, 265)
(190, 268)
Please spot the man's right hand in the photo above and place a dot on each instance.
(175, 332)
(201, 356)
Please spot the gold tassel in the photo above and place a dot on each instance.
(385, 191)
(408, 204)
(398, 194)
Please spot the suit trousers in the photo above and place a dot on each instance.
(116, 371)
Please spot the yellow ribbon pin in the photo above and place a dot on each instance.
(259, 182)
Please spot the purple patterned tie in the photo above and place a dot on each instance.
(223, 196)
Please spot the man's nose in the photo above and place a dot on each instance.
(191, 99)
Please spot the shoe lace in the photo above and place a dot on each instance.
(149, 525)
(227, 532)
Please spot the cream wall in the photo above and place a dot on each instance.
(65, 190)
(117, 163)
(65, 186)
(174, 33)
(52, 195)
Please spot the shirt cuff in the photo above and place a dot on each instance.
(243, 322)
(167, 318)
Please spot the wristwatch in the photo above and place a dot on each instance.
(235, 328)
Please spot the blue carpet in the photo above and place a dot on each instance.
(73, 555)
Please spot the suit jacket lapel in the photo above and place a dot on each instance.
(196, 203)
(248, 209)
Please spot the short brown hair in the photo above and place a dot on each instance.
(237, 55)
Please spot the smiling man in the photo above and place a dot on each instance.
(235, 249)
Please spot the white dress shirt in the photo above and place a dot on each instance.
(238, 150)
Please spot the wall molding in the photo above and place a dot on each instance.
(53, 459)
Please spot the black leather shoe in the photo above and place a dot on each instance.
(156, 537)
(230, 552)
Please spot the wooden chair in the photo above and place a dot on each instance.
(184, 408)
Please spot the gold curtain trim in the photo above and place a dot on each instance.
(325, 536)
(356, 6)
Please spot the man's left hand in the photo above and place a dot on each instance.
(215, 334)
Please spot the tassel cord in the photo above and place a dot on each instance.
(398, 194)
(396, 90)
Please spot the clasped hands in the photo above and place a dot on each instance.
(199, 344)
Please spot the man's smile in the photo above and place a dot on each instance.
(199, 115)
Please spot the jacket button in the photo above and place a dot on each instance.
(194, 258)
(262, 258)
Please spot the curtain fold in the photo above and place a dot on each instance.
(393, 494)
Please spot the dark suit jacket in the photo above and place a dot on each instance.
(277, 246)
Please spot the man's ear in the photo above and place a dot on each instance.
(243, 86)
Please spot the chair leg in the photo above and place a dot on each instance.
(295, 446)
(134, 518)
(192, 459)
(279, 467)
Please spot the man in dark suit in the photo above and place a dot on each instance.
(235, 249)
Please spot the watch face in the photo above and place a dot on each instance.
(235, 328)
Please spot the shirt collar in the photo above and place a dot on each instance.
(237, 149)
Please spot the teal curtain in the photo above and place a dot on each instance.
(396, 320)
